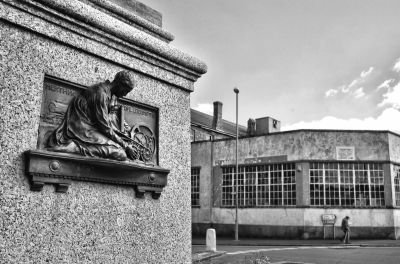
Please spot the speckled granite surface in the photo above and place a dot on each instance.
(92, 222)
(97, 41)
(112, 8)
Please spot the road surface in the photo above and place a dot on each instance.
(318, 255)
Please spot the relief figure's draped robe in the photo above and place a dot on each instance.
(87, 125)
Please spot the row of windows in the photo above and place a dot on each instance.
(259, 186)
(347, 184)
(331, 184)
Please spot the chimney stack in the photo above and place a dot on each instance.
(217, 119)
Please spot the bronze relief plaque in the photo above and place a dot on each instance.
(93, 134)
(55, 100)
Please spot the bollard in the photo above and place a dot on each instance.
(211, 240)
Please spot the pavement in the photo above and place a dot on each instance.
(200, 254)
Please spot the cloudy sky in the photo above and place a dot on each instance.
(308, 63)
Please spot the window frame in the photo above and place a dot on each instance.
(277, 187)
(396, 183)
(358, 184)
(195, 186)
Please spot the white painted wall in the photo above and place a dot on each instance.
(200, 215)
(300, 216)
(358, 217)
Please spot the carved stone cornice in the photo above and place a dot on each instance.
(101, 20)
(82, 26)
(131, 18)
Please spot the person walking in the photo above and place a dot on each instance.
(346, 230)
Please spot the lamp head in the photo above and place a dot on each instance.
(236, 90)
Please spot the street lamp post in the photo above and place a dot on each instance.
(236, 90)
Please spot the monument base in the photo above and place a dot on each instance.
(61, 168)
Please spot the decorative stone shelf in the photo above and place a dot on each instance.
(62, 168)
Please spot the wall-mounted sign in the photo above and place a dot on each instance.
(345, 153)
(328, 219)
(268, 159)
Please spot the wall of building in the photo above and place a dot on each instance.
(302, 221)
(396, 223)
(201, 157)
(199, 134)
(92, 222)
(394, 150)
(304, 144)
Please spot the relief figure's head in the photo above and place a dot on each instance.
(122, 84)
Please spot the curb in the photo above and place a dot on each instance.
(302, 245)
(202, 256)
(272, 244)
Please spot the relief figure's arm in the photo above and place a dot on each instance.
(104, 122)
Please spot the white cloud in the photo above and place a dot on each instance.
(344, 89)
(382, 122)
(385, 84)
(364, 74)
(353, 85)
(396, 66)
(205, 108)
(392, 97)
(331, 92)
(359, 93)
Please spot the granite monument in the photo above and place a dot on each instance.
(71, 197)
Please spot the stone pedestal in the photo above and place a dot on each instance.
(86, 42)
